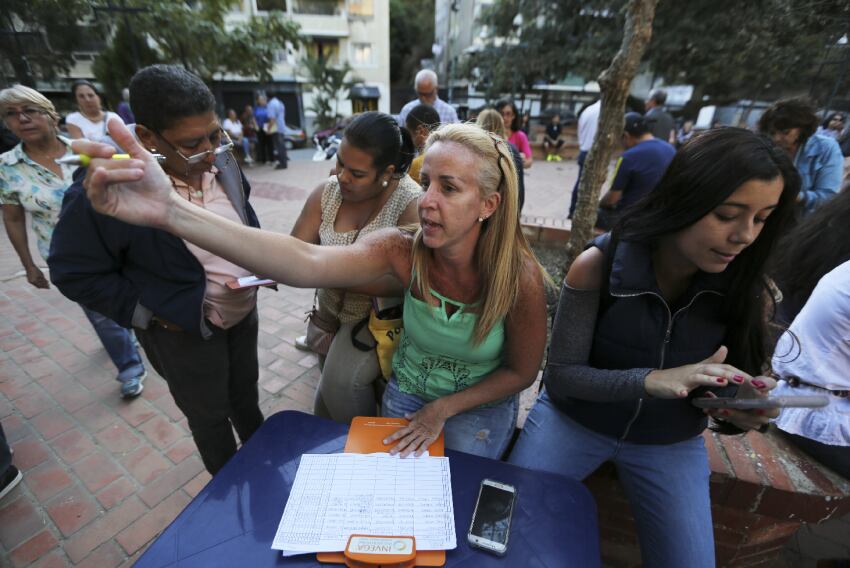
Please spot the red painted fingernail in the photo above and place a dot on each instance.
(760, 412)
(720, 380)
(725, 412)
(759, 383)
(738, 379)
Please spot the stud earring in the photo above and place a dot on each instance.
(481, 219)
(385, 183)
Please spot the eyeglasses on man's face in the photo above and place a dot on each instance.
(219, 143)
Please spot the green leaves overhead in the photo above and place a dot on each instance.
(194, 35)
(37, 37)
(329, 82)
(726, 48)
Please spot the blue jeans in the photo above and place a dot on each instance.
(667, 485)
(482, 431)
(119, 343)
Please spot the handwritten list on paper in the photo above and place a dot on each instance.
(337, 495)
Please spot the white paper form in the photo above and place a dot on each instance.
(337, 495)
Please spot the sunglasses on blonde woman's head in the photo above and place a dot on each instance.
(496, 141)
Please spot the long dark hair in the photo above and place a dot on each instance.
(702, 175)
(516, 123)
(379, 135)
(803, 257)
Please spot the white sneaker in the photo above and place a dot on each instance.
(9, 480)
(301, 343)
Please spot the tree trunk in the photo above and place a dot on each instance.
(614, 83)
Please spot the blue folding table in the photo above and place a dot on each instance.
(233, 520)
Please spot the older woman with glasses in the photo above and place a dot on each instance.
(32, 181)
(199, 334)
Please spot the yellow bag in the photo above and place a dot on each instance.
(387, 333)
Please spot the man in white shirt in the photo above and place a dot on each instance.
(588, 122)
(426, 91)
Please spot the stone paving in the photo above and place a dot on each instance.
(102, 476)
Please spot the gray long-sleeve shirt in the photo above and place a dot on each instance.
(568, 373)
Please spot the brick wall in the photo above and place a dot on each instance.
(762, 491)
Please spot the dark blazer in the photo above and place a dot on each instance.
(129, 273)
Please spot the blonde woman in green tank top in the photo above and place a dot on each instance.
(369, 191)
(468, 271)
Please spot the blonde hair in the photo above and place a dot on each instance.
(491, 121)
(502, 250)
(20, 94)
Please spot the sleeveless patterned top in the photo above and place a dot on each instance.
(357, 306)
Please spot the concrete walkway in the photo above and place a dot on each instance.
(103, 477)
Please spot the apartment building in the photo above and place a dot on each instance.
(356, 31)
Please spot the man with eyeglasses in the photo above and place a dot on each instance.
(426, 91)
(200, 334)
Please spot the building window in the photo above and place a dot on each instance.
(316, 7)
(326, 49)
(271, 5)
(361, 8)
(361, 54)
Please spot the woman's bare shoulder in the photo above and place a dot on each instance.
(587, 270)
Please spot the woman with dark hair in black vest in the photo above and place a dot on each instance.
(370, 191)
(672, 303)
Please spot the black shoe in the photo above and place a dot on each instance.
(9, 480)
(280, 167)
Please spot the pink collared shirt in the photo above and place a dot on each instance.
(222, 306)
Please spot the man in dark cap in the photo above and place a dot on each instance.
(638, 170)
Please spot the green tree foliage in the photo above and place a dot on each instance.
(26, 25)
(114, 67)
(746, 49)
(193, 34)
(726, 48)
(411, 38)
(329, 83)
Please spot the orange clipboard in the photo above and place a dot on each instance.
(366, 436)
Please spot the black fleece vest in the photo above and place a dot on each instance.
(637, 328)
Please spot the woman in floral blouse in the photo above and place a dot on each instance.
(32, 181)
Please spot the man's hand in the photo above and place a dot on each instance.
(36, 277)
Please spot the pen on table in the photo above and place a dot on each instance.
(84, 160)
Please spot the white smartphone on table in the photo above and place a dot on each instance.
(491, 519)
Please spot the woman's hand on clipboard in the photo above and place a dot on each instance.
(422, 431)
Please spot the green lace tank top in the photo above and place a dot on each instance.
(436, 355)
